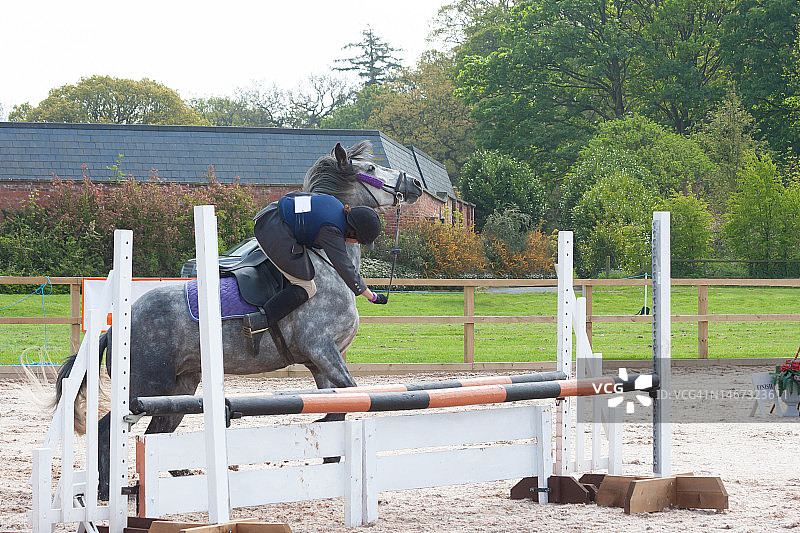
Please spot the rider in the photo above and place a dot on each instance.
(284, 229)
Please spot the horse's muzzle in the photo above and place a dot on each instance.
(410, 188)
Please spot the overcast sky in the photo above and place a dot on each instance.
(198, 47)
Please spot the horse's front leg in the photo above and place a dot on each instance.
(323, 382)
(335, 375)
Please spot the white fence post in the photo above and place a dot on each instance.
(354, 511)
(614, 426)
(120, 379)
(662, 342)
(544, 450)
(564, 347)
(213, 374)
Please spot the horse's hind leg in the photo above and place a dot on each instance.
(324, 383)
(340, 377)
(159, 424)
(184, 384)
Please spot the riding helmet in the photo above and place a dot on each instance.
(366, 223)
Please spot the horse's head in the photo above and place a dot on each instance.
(352, 177)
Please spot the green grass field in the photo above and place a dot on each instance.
(429, 343)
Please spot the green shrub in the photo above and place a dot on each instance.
(72, 234)
(492, 181)
(613, 219)
(510, 226)
(691, 226)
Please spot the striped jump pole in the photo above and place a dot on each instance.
(359, 402)
(192, 405)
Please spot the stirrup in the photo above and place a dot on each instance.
(254, 320)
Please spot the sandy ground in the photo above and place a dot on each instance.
(756, 458)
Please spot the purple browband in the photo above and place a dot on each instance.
(371, 180)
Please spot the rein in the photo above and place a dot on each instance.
(395, 251)
(364, 180)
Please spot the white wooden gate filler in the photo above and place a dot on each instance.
(383, 453)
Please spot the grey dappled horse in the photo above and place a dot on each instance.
(165, 341)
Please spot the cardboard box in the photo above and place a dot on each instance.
(238, 526)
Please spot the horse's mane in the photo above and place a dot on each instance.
(326, 177)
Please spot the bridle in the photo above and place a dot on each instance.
(394, 190)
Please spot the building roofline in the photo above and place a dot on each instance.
(415, 149)
(209, 129)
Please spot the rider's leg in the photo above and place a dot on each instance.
(283, 303)
(289, 299)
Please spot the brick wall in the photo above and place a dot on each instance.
(14, 193)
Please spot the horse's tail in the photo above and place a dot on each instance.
(80, 398)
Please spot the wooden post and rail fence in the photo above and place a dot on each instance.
(74, 318)
(469, 318)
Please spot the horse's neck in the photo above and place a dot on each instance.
(326, 276)
(354, 253)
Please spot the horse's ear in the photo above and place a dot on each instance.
(341, 155)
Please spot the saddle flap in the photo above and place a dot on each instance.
(257, 277)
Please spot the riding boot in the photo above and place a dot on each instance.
(280, 305)
(284, 303)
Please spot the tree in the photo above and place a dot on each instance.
(558, 67)
(727, 137)
(357, 114)
(680, 76)
(760, 46)
(417, 108)
(420, 109)
(671, 162)
(492, 181)
(473, 23)
(691, 230)
(254, 106)
(110, 100)
(544, 75)
(374, 62)
(612, 219)
(663, 161)
(313, 101)
(758, 226)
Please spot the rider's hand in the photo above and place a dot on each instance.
(380, 299)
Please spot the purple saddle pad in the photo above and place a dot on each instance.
(232, 305)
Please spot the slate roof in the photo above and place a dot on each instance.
(261, 156)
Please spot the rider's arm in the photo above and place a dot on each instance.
(331, 240)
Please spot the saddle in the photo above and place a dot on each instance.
(259, 280)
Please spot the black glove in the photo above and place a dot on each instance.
(380, 299)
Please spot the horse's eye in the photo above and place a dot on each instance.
(371, 168)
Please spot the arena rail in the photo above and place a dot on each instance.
(74, 318)
(469, 320)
